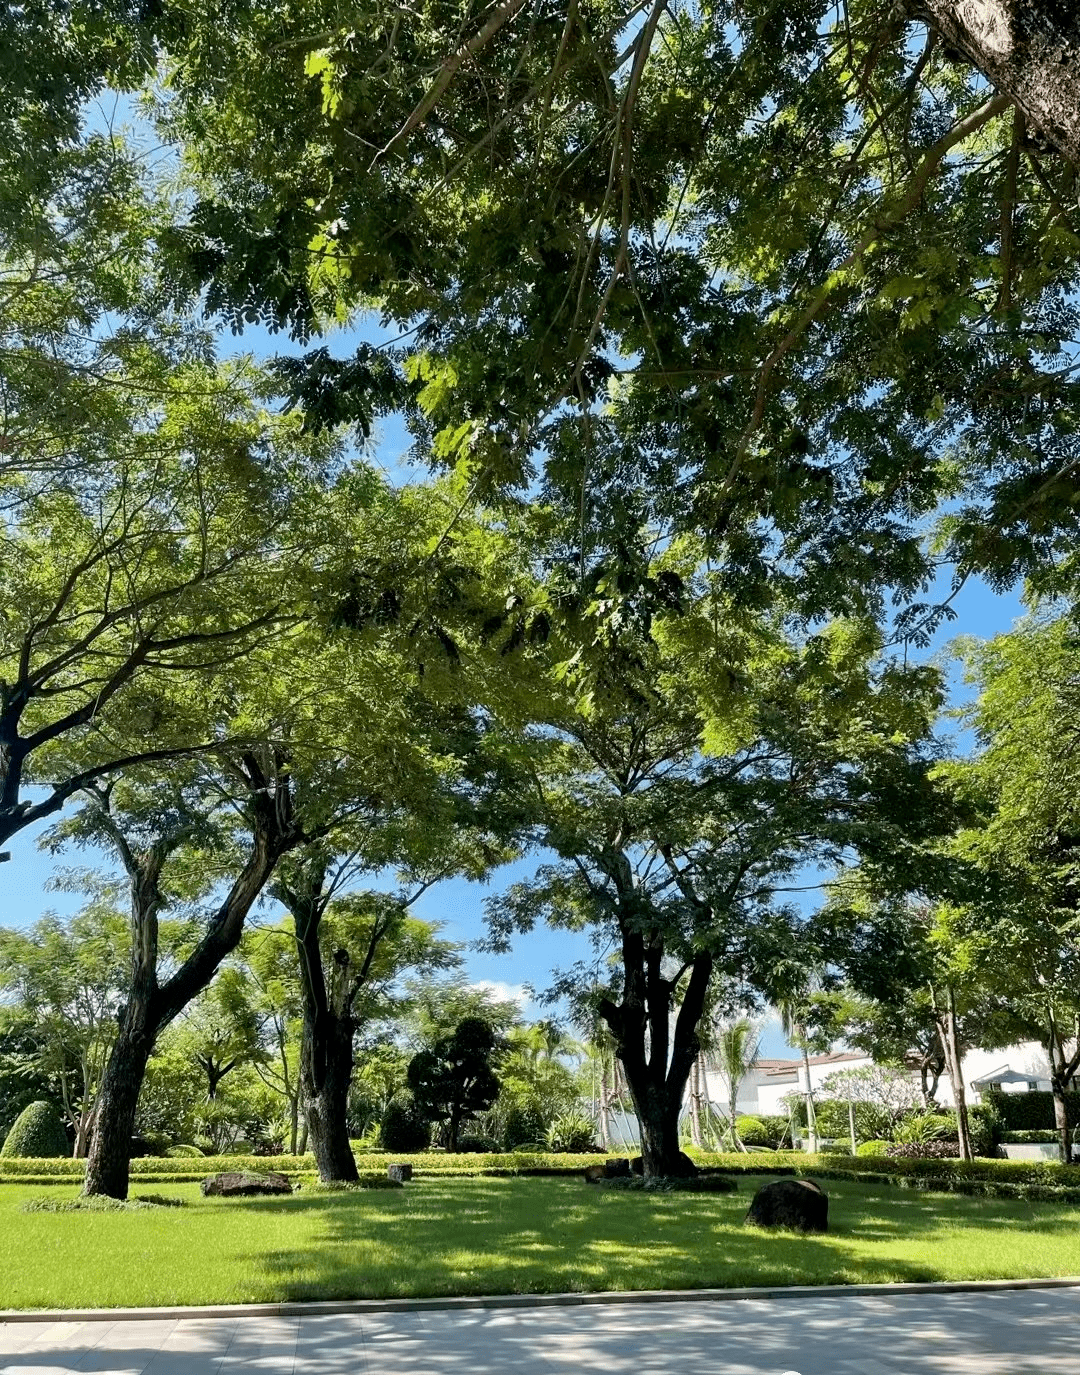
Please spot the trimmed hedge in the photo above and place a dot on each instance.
(1039, 1180)
(1032, 1111)
(37, 1133)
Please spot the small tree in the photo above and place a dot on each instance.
(737, 1048)
(880, 1094)
(454, 1080)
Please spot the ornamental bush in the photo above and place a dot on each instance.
(403, 1128)
(872, 1148)
(524, 1127)
(752, 1131)
(37, 1134)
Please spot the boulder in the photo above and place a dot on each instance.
(242, 1183)
(686, 1167)
(400, 1172)
(796, 1203)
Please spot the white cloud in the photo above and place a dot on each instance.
(504, 992)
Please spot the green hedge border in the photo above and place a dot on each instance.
(1031, 1179)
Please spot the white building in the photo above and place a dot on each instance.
(1020, 1068)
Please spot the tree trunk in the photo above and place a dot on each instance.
(118, 1098)
(604, 1112)
(811, 1111)
(294, 1123)
(954, 1064)
(1061, 1119)
(1028, 49)
(326, 1071)
(695, 1104)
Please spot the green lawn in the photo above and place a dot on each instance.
(480, 1235)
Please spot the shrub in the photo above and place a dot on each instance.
(37, 1133)
(778, 1127)
(872, 1148)
(403, 1128)
(935, 1149)
(1042, 1138)
(150, 1143)
(752, 1131)
(921, 1128)
(523, 1126)
(571, 1132)
(477, 1145)
(1031, 1111)
(184, 1152)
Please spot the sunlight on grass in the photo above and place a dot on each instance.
(475, 1236)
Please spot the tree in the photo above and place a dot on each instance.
(454, 1080)
(67, 979)
(220, 1029)
(735, 1053)
(353, 949)
(147, 827)
(1014, 930)
(678, 805)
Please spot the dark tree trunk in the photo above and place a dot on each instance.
(152, 1006)
(118, 1099)
(325, 1075)
(1028, 49)
(657, 1062)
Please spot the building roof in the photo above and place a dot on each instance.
(1007, 1075)
(779, 1067)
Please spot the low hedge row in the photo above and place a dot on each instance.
(429, 1163)
(1000, 1178)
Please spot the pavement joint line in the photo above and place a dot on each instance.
(317, 1308)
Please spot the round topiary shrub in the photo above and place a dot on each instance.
(37, 1134)
(403, 1128)
(752, 1131)
(184, 1152)
(872, 1148)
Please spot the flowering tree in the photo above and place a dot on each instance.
(881, 1094)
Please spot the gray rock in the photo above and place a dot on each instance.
(400, 1173)
(242, 1183)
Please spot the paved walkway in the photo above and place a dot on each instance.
(1027, 1332)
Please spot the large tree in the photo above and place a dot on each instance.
(684, 777)
(1017, 929)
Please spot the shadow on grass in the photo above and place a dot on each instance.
(493, 1236)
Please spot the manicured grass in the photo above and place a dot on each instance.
(483, 1235)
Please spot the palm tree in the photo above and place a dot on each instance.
(735, 1054)
(792, 1012)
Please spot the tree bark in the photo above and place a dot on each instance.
(954, 1064)
(656, 1061)
(325, 1074)
(1028, 49)
(1061, 1119)
(152, 1006)
(118, 1099)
